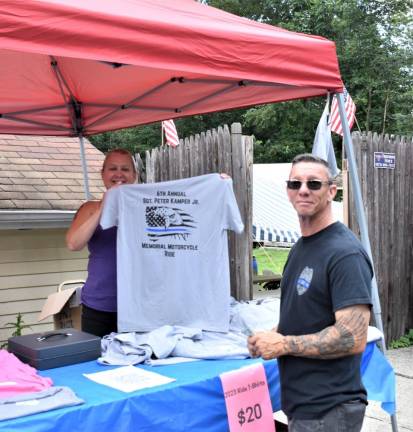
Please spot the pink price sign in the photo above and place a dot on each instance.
(247, 399)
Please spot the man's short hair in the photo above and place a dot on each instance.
(308, 157)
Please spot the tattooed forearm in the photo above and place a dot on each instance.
(325, 344)
(347, 336)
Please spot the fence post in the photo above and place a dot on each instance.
(243, 241)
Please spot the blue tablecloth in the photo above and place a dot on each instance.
(194, 402)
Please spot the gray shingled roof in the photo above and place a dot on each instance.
(45, 173)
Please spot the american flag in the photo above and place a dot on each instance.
(350, 108)
(171, 134)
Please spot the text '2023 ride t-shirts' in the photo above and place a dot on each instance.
(172, 252)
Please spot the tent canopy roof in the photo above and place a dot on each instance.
(75, 66)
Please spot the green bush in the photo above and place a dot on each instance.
(404, 341)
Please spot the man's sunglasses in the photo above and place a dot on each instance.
(311, 184)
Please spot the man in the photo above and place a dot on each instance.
(325, 312)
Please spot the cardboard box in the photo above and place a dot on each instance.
(64, 305)
(56, 348)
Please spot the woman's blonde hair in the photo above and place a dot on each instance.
(122, 152)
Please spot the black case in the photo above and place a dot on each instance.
(56, 348)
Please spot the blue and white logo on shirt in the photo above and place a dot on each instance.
(163, 221)
(304, 280)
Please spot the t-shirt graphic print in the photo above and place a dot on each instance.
(172, 252)
(168, 222)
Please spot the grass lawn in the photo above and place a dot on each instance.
(271, 258)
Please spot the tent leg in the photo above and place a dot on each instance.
(361, 218)
(84, 168)
(394, 427)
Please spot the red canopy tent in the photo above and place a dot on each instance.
(80, 67)
(71, 67)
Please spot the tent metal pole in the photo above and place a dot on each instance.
(84, 167)
(394, 426)
(361, 218)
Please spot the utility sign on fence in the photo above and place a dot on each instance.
(384, 160)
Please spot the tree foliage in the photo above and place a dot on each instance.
(374, 41)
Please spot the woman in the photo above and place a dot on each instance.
(99, 294)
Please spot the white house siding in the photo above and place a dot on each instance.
(32, 265)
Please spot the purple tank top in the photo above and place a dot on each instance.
(99, 291)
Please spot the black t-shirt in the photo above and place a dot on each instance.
(324, 272)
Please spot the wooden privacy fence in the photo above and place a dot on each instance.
(216, 151)
(388, 200)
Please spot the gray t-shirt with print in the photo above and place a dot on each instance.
(172, 252)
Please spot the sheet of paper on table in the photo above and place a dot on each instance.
(129, 378)
(170, 361)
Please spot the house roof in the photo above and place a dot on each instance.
(40, 175)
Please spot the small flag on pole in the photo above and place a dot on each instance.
(350, 108)
(171, 134)
(323, 145)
